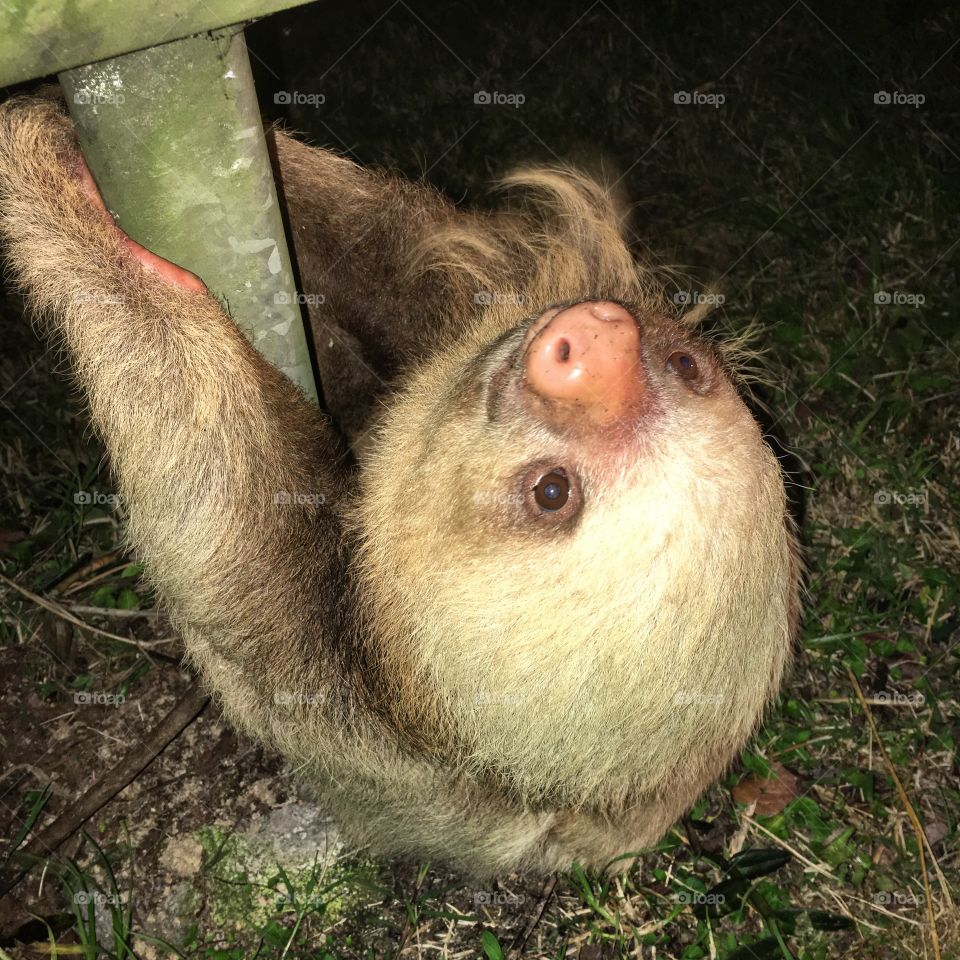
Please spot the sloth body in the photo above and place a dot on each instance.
(545, 601)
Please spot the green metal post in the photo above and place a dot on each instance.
(174, 139)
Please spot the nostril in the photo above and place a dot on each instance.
(587, 357)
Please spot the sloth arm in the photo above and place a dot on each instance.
(227, 473)
(355, 234)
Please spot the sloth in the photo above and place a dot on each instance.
(521, 588)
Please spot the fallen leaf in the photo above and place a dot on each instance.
(9, 537)
(770, 795)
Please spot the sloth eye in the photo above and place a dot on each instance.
(552, 490)
(552, 495)
(683, 365)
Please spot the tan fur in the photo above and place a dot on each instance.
(455, 684)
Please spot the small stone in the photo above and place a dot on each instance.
(182, 857)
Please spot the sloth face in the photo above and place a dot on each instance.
(596, 397)
(584, 530)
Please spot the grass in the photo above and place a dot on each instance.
(826, 216)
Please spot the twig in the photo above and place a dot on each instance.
(911, 813)
(92, 566)
(119, 776)
(786, 846)
(873, 701)
(40, 775)
(899, 917)
(520, 941)
(112, 611)
(740, 837)
(61, 611)
(103, 575)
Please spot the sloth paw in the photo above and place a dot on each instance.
(167, 271)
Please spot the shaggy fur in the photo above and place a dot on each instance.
(458, 681)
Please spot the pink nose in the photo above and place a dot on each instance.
(586, 356)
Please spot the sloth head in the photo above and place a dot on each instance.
(577, 554)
